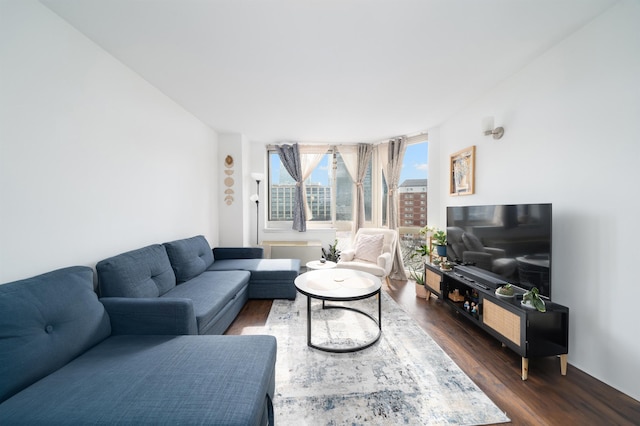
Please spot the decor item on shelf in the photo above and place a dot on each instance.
(256, 199)
(505, 291)
(419, 278)
(487, 126)
(456, 296)
(333, 254)
(446, 266)
(462, 171)
(531, 299)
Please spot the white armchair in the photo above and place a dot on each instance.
(372, 251)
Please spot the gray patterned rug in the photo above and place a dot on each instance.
(405, 378)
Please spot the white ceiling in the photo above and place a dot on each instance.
(325, 70)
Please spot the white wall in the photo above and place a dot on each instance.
(572, 135)
(93, 160)
(234, 217)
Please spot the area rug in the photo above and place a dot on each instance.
(404, 378)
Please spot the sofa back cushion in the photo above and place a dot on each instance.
(145, 272)
(189, 257)
(45, 322)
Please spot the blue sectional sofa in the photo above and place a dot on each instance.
(187, 277)
(67, 359)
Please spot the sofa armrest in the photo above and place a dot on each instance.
(478, 258)
(347, 255)
(221, 253)
(496, 253)
(163, 316)
(385, 261)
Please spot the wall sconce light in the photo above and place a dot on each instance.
(255, 198)
(487, 126)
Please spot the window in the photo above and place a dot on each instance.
(330, 191)
(413, 191)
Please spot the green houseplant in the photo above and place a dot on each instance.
(438, 238)
(532, 298)
(333, 254)
(419, 278)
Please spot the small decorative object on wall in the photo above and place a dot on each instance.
(462, 172)
(228, 181)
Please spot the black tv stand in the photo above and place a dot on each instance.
(470, 291)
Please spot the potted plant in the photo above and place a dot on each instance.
(446, 265)
(333, 254)
(438, 238)
(419, 278)
(531, 299)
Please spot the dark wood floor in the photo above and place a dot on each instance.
(546, 398)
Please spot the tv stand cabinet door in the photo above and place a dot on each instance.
(433, 281)
(504, 322)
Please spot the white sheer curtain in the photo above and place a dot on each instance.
(395, 154)
(310, 157)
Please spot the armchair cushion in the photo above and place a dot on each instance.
(369, 247)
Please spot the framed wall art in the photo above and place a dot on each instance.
(462, 172)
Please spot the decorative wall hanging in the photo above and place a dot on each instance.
(228, 181)
(462, 172)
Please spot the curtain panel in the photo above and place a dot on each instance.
(394, 167)
(290, 158)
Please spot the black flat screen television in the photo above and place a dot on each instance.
(512, 241)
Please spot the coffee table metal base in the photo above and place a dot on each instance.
(377, 322)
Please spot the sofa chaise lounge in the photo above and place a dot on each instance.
(187, 277)
(66, 360)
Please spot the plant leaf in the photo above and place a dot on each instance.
(539, 304)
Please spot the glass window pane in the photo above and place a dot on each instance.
(412, 193)
(281, 190)
(344, 190)
(318, 187)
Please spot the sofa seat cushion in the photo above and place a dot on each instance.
(152, 380)
(189, 257)
(270, 278)
(210, 292)
(144, 272)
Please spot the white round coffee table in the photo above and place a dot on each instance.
(316, 264)
(340, 285)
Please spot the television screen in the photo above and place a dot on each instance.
(512, 241)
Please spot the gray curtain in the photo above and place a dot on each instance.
(396, 154)
(290, 157)
(364, 156)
